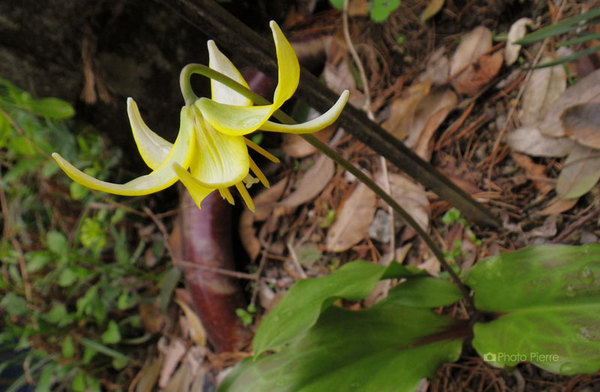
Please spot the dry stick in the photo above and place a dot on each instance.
(216, 22)
(575, 225)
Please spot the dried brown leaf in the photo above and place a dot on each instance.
(473, 45)
(173, 355)
(433, 7)
(544, 87)
(412, 197)
(353, 220)
(149, 376)
(535, 172)
(197, 331)
(580, 173)
(529, 140)
(437, 69)
(264, 203)
(402, 110)
(479, 75)
(429, 115)
(515, 33)
(582, 123)
(558, 205)
(312, 183)
(584, 91)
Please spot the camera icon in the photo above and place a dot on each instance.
(489, 357)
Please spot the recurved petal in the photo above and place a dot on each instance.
(221, 160)
(241, 120)
(196, 189)
(153, 148)
(288, 74)
(220, 92)
(314, 125)
(162, 177)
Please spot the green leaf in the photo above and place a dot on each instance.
(67, 277)
(372, 350)
(381, 9)
(306, 299)
(547, 304)
(78, 383)
(112, 334)
(53, 108)
(425, 292)
(57, 314)
(14, 304)
(36, 260)
(68, 347)
(57, 242)
(337, 4)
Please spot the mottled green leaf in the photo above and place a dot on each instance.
(547, 301)
(376, 349)
(300, 308)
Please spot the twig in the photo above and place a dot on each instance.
(575, 225)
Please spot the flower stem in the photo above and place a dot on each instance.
(325, 149)
(185, 83)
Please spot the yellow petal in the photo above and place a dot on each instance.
(197, 190)
(314, 125)
(153, 148)
(288, 74)
(220, 92)
(162, 177)
(234, 120)
(241, 120)
(221, 160)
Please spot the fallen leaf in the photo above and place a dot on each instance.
(479, 74)
(411, 196)
(582, 123)
(353, 219)
(312, 183)
(264, 203)
(295, 146)
(197, 331)
(473, 45)
(544, 87)
(515, 33)
(529, 140)
(558, 205)
(580, 173)
(433, 7)
(471, 66)
(402, 110)
(437, 69)
(148, 376)
(584, 91)
(429, 114)
(173, 355)
(535, 172)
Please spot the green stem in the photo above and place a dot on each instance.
(325, 149)
(185, 83)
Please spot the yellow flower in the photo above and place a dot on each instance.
(211, 142)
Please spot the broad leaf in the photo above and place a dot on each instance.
(547, 300)
(387, 347)
(425, 292)
(300, 308)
